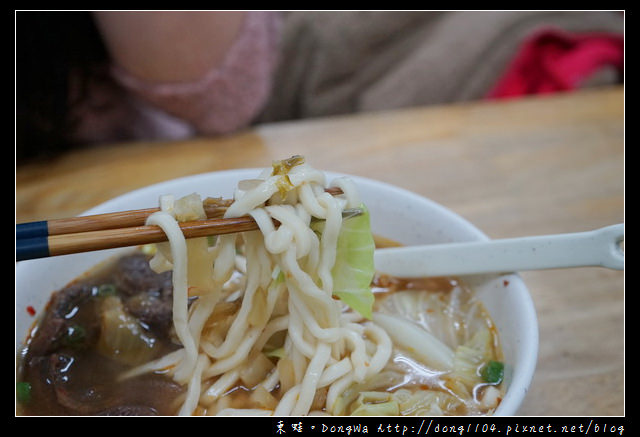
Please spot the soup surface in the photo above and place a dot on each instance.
(117, 318)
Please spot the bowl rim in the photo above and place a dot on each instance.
(522, 376)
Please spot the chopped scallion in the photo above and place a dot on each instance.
(23, 392)
(75, 335)
(106, 290)
(493, 372)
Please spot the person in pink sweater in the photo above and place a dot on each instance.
(139, 75)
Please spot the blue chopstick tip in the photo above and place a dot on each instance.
(31, 248)
(32, 229)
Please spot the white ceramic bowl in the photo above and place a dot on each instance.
(395, 213)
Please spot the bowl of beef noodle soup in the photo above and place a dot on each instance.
(289, 319)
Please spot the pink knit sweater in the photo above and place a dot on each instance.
(224, 100)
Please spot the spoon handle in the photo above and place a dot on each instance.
(600, 247)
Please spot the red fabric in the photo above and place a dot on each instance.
(552, 60)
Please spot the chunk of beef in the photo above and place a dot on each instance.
(58, 320)
(134, 275)
(143, 395)
(147, 295)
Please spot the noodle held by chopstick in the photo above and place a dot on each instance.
(324, 344)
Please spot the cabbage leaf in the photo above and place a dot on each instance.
(375, 403)
(469, 359)
(353, 270)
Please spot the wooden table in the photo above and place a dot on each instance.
(532, 166)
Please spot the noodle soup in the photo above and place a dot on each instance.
(104, 324)
(275, 321)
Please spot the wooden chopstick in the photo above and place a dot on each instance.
(64, 244)
(120, 229)
(213, 207)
